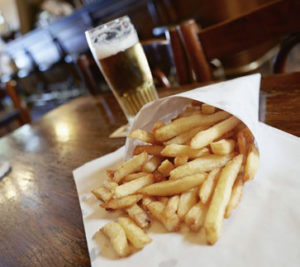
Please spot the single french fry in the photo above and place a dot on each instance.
(203, 164)
(185, 136)
(117, 237)
(137, 237)
(152, 164)
(180, 160)
(248, 135)
(222, 147)
(102, 193)
(165, 167)
(174, 150)
(187, 201)
(235, 197)
(169, 188)
(181, 125)
(205, 137)
(169, 217)
(133, 176)
(133, 165)
(208, 185)
(140, 217)
(242, 144)
(196, 216)
(156, 209)
(146, 201)
(150, 149)
(215, 214)
(207, 109)
(157, 125)
(142, 135)
(252, 164)
(109, 185)
(133, 186)
(121, 203)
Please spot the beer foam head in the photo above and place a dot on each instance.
(111, 38)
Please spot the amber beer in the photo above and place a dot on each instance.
(122, 60)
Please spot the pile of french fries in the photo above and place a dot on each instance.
(190, 171)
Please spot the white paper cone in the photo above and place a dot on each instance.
(264, 229)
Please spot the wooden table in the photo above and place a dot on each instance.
(40, 217)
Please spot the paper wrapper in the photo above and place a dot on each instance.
(264, 229)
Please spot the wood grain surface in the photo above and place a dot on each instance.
(40, 222)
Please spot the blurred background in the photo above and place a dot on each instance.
(44, 50)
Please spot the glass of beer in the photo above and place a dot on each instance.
(122, 61)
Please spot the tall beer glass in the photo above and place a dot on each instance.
(121, 58)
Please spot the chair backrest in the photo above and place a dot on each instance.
(12, 92)
(272, 20)
(17, 112)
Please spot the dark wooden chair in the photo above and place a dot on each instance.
(193, 48)
(18, 112)
(159, 58)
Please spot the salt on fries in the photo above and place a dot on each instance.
(190, 171)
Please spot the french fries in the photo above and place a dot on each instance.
(134, 176)
(222, 147)
(196, 216)
(174, 150)
(185, 137)
(207, 109)
(132, 165)
(187, 201)
(142, 135)
(140, 217)
(165, 167)
(117, 237)
(109, 185)
(150, 149)
(235, 197)
(242, 144)
(203, 164)
(135, 234)
(132, 186)
(121, 203)
(169, 188)
(215, 214)
(169, 216)
(156, 209)
(102, 193)
(192, 171)
(187, 123)
(152, 164)
(208, 185)
(205, 137)
(252, 163)
(180, 160)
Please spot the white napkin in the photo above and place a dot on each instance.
(263, 231)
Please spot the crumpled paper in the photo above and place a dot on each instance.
(264, 229)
